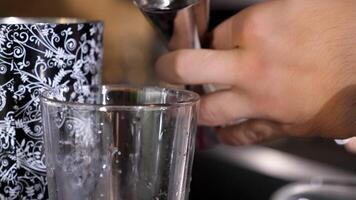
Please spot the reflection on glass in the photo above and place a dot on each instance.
(119, 143)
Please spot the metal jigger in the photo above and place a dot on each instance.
(183, 24)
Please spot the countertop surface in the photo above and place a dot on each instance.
(256, 172)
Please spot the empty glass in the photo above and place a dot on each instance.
(119, 142)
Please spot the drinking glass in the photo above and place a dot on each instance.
(119, 142)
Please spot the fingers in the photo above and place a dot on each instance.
(200, 66)
(250, 132)
(351, 145)
(224, 107)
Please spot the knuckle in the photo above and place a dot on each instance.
(254, 68)
(208, 115)
(262, 130)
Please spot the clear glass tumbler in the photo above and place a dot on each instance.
(119, 142)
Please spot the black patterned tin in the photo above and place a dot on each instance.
(38, 53)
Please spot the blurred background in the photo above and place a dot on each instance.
(219, 172)
(130, 43)
(128, 36)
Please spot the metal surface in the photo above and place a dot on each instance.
(232, 4)
(277, 164)
(317, 191)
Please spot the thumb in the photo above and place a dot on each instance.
(250, 132)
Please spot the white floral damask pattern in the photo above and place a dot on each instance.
(34, 57)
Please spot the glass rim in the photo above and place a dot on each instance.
(193, 100)
(46, 20)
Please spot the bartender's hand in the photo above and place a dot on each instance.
(291, 65)
(351, 145)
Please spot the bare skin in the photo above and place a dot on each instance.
(291, 68)
(351, 145)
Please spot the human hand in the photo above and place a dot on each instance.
(351, 145)
(290, 65)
